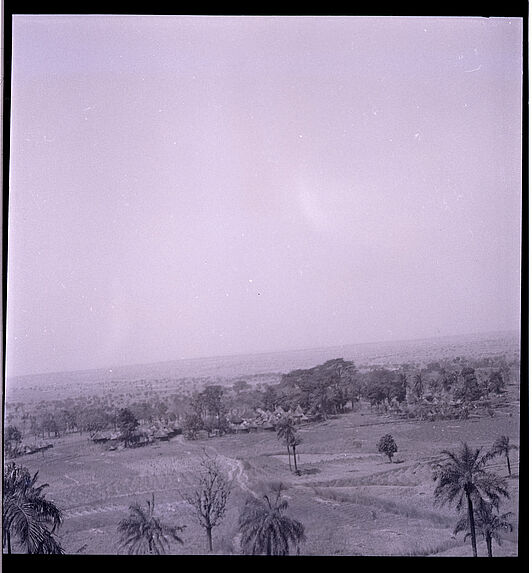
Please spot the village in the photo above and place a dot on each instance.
(161, 431)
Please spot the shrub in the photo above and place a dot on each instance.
(387, 446)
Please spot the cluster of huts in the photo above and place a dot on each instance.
(257, 420)
(143, 435)
(266, 420)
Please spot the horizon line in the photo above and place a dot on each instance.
(261, 353)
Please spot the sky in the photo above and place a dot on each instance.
(200, 186)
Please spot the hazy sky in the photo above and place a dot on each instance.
(196, 186)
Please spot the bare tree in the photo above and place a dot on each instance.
(209, 496)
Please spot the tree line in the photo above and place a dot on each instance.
(325, 390)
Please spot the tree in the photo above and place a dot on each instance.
(341, 375)
(387, 446)
(286, 432)
(143, 533)
(448, 379)
(192, 425)
(27, 514)
(296, 440)
(488, 523)
(470, 389)
(241, 386)
(496, 382)
(383, 385)
(417, 387)
(502, 447)
(402, 385)
(323, 389)
(265, 529)
(209, 498)
(376, 394)
(212, 397)
(270, 398)
(127, 424)
(93, 420)
(462, 477)
(12, 440)
(49, 424)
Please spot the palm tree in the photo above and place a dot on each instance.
(264, 528)
(296, 440)
(502, 447)
(141, 532)
(488, 523)
(27, 514)
(463, 477)
(286, 431)
(418, 385)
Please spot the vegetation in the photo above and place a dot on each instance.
(488, 523)
(387, 446)
(128, 425)
(462, 479)
(296, 440)
(287, 432)
(209, 498)
(323, 390)
(143, 533)
(27, 516)
(448, 389)
(12, 440)
(192, 425)
(502, 447)
(265, 528)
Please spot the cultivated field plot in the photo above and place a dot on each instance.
(351, 500)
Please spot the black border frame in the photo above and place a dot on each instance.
(466, 8)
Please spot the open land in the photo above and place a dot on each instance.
(350, 498)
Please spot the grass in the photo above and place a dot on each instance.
(382, 504)
(350, 499)
(421, 550)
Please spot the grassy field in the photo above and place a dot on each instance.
(351, 500)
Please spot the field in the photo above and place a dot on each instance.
(351, 499)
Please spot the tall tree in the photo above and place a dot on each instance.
(463, 479)
(417, 387)
(270, 398)
(27, 514)
(470, 387)
(143, 533)
(286, 432)
(265, 528)
(127, 423)
(488, 523)
(192, 424)
(502, 447)
(296, 440)
(209, 497)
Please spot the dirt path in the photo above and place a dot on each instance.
(238, 474)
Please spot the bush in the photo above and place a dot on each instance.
(387, 446)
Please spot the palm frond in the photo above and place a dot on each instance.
(265, 529)
(27, 514)
(141, 532)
